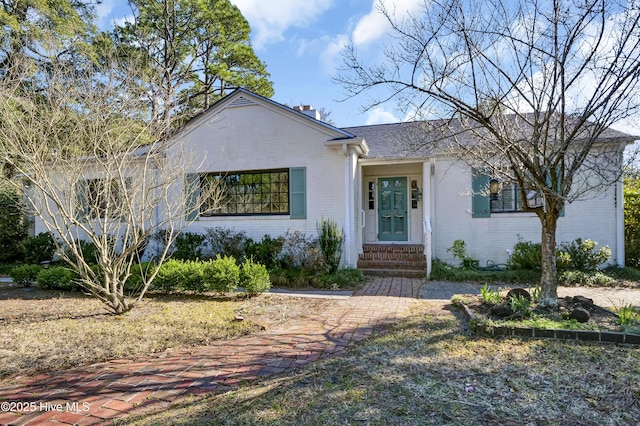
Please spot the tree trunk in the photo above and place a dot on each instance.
(549, 278)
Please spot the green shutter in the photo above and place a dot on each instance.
(192, 196)
(82, 201)
(480, 202)
(298, 193)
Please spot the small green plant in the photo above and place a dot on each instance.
(254, 277)
(25, 275)
(57, 278)
(330, 239)
(459, 251)
(490, 295)
(535, 293)
(520, 304)
(627, 314)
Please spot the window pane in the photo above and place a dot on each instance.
(264, 192)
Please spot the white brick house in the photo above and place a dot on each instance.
(368, 181)
(347, 174)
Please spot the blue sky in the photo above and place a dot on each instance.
(300, 41)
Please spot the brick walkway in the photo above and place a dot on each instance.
(96, 393)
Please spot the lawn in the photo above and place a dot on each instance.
(430, 370)
(45, 330)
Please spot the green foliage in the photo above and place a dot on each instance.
(346, 278)
(57, 278)
(632, 221)
(25, 275)
(208, 46)
(136, 280)
(227, 242)
(188, 246)
(266, 251)
(13, 228)
(444, 272)
(458, 249)
(87, 249)
(170, 276)
(626, 273)
(254, 277)
(585, 278)
(584, 256)
(627, 314)
(490, 295)
(222, 274)
(576, 255)
(330, 239)
(38, 249)
(526, 255)
(521, 305)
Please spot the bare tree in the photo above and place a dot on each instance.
(96, 170)
(527, 91)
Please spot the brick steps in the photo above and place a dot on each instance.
(401, 260)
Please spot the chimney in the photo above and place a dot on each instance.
(308, 110)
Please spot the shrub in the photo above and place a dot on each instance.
(589, 279)
(25, 275)
(227, 242)
(300, 251)
(330, 240)
(188, 246)
(88, 250)
(584, 256)
(254, 277)
(181, 275)
(222, 274)
(266, 251)
(57, 278)
(134, 283)
(526, 255)
(13, 228)
(38, 249)
(169, 278)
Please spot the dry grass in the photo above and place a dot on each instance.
(45, 330)
(430, 371)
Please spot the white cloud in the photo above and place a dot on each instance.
(374, 25)
(378, 115)
(270, 19)
(331, 58)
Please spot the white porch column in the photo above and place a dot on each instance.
(427, 166)
(350, 219)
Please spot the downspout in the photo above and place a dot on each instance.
(620, 220)
(427, 167)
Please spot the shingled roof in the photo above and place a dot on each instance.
(420, 139)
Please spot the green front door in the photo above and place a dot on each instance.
(392, 209)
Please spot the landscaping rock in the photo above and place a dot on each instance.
(583, 301)
(580, 315)
(514, 293)
(501, 311)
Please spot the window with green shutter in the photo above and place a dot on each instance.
(255, 192)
